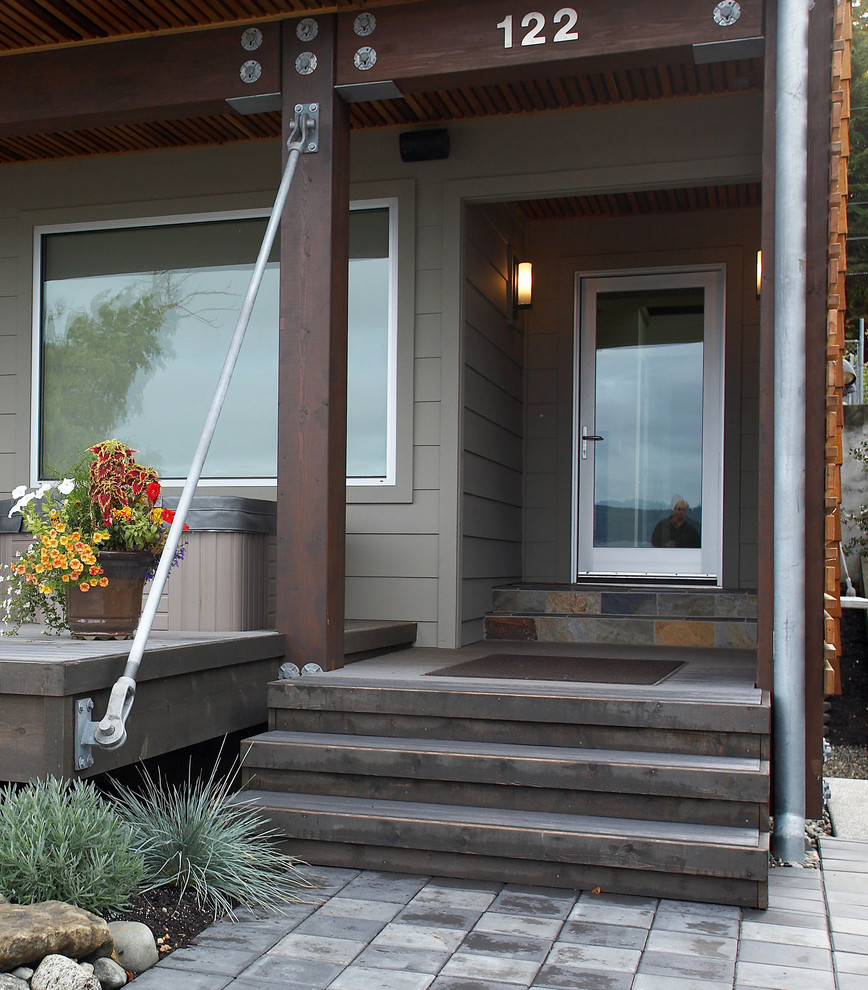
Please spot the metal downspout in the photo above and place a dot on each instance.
(791, 143)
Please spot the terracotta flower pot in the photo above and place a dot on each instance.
(111, 612)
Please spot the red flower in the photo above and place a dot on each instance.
(153, 491)
(169, 517)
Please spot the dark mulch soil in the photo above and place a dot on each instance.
(848, 712)
(175, 919)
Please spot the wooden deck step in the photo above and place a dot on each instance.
(659, 790)
(514, 712)
(636, 856)
(730, 791)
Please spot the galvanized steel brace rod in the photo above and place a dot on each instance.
(111, 733)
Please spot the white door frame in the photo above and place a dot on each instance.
(702, 565)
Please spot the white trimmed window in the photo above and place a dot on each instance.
(134, 323)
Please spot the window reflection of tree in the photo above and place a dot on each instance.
(96, 362)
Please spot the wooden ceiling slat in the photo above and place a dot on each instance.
(653, 84)
(642, 202)
(626, 86)
(18, 34)
(108, 20)
(153, 15)
(560, 91)
(66, 15)
(664, 77)
(494, 96)
(32, 22)
(475, 102)
(638, 84)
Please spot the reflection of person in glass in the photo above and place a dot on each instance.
(676, 531)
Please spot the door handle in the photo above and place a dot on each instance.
(586, 438)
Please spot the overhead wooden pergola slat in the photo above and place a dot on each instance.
(29, 24)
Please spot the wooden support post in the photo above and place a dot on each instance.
(311, 465)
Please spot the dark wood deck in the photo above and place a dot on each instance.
(191, 687)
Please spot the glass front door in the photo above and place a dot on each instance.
(649, 424)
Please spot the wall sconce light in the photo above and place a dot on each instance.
(759, 273)
(522, 286)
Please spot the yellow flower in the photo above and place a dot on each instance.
(84, 586)
(103, 581)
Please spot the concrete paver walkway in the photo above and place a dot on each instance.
(366, 930)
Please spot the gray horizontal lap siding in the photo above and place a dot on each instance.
(493, 415)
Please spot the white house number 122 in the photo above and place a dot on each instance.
(535, 22)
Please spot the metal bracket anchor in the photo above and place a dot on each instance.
(111, 732)
(84, 737)
(307, 119)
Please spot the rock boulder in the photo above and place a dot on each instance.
(61, 973)
(30, 932)
(134, 945)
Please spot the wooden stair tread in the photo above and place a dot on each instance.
(513, 751)
(675, 848)
(618, 828)
(748, 711)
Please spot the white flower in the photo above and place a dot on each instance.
(19, 505)
(66, 486)
(19, 491)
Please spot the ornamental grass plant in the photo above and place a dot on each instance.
(203, 838)
(61, 840)
(108, 502)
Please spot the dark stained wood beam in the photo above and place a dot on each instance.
(428, 40)
(150, 79)
(312, 410)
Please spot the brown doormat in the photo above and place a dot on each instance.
(542, 667)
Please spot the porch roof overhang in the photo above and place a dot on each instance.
(86, 78)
